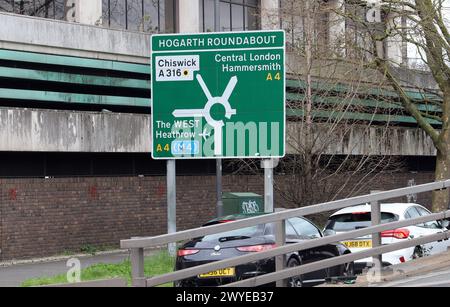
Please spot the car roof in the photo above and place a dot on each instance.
(395, 208)
(233, 217)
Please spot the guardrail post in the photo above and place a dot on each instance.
(137, 267)
(376, 237)
(280, 240)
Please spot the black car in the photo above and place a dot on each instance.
(253, 239)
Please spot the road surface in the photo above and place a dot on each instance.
(435, 279)
(13, 276)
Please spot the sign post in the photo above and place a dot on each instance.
(218, 95)
(268, 165)
(219, 203)
(171, 203)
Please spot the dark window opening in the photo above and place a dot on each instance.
(53, 9)
(64, 165)
(150, 16)
(235, 15)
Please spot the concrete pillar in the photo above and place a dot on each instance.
(170, 16)
(270, 14)
(84, 11)
(90, 12)
(337, 26)
(188, 16)
(394, 44)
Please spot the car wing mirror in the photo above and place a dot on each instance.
(329, 233)
(445, 223)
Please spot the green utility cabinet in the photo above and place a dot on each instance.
(242, 203)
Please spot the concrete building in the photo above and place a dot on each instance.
(75, 164)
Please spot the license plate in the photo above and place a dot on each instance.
(358, 244)
(230, 272)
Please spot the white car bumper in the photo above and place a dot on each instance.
(392, 258)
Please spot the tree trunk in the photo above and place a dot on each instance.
(441, 197)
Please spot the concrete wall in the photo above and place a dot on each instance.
(270, 16)
(337, 26)
(68, 131)
(74, 39)
(416, 78)
(89, 11)
(364, 140)
(394, 43)
(338, 71)
(189, 16)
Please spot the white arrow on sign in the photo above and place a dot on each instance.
(206, 112)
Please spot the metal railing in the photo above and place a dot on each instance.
(281, 274)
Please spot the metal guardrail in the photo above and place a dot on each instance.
(331, 262)
(137, 245)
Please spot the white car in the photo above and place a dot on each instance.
(357, 217)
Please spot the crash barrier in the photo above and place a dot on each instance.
(281, 274)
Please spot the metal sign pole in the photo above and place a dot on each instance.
(219, 204)
(217, 15)
(376, 237)
(219, 187)
(171, 203)
(267, 165)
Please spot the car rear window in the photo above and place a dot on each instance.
(354, 221)
(254, 231)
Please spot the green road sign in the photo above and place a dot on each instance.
(218, 95)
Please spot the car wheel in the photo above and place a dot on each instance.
(418, 252)
(349, 270)
(296, 281)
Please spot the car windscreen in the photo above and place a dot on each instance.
(354, 221)
(253, 231)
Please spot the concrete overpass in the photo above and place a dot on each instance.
(88, 48)
(71, 131)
